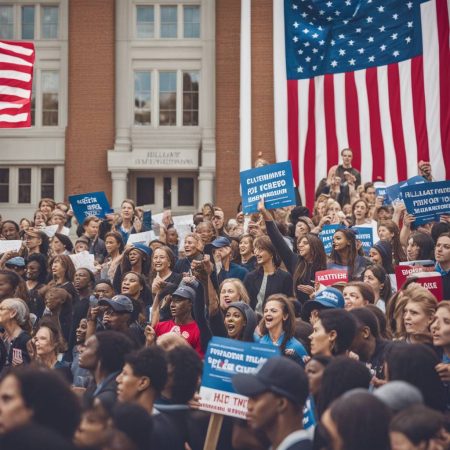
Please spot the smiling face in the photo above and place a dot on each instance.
(205, 231)
(9, 231)
(353, 298)
(228, 294)
(245, 246)
(415, 319)
(131, 285)
(263, 256)
(234, 322)
(303, 248)
(190, 246)
(274, 315)
(161, 261)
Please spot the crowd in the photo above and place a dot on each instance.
(110, 356)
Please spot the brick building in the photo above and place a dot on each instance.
(138, 98)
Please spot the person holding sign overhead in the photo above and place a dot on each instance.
(303, 265)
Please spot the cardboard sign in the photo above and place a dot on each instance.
(224, 359)
(90, 204)
(394, 194)
(142, 238)
(427, 201)
(10, 245)
(365, 236)
(431, 281)
(273, 182)
(330, 277)
(404, 271)
(326, 236)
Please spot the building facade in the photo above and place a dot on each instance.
(137, 98)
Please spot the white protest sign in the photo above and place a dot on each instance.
(84, 259)
(10, 246)
(52, 229)
(142, 238)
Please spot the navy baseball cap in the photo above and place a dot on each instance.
(327, 299)
(185, 292)
(279, 375)
(220, 242)
(143, 248)
(119, 303)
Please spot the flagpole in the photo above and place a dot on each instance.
(245, 107)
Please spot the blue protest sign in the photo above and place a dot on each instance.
(90, 204)
(274, 182)
(326, 236)
(147, 221)
(224, 359)
(365, 236)
(380, 190)
(394, 194)
(427, 201)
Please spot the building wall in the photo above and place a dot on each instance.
(228, 16)
(90, 131)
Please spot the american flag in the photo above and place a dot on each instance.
(372, 75)
(16, 76)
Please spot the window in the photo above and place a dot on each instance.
(6, 22)
(24, 185)
(145, 18)
(145, 190)
(167, 192)
(27, 22)
(48, 182)
(167, 98)
(168, 21)
(4, 185)
(191, 21)
(49, 22)
(190, 98)
(50, 98)
(142, 98)
(185, 191)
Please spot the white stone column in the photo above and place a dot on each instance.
(124, 85)
(208, 104)
(119, 186)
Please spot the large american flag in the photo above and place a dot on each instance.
(372, 75)
(16, 77)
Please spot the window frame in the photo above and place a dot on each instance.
(155, 95)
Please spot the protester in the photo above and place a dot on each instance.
(358, 294)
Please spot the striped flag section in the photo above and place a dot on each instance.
(16, 77)
(391, 116)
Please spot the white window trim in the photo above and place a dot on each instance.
(154, 111)
(35, 184)
(157, 20)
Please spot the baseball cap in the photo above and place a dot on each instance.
(185, 292)
(327, 299)
(119, 303)
(16, 261)
(220, 242)
(143, 248)
(279, 375)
